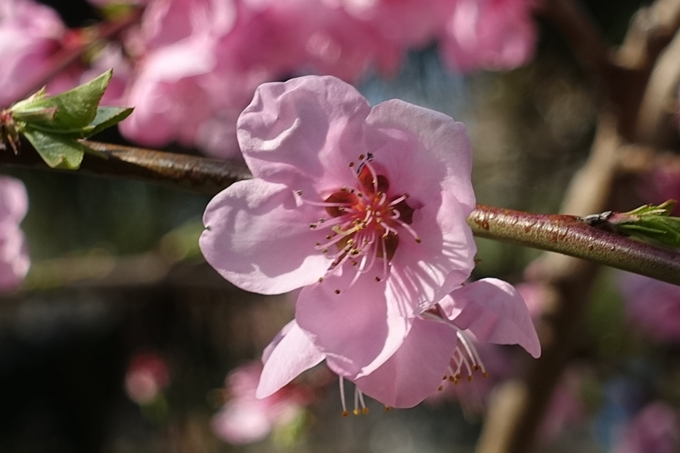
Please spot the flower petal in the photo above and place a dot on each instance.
(439, 148)
(356, 329)
(306, 129)
(292, 354)
(259, 239)
(494, 312)
(415, 371)
(422, 273)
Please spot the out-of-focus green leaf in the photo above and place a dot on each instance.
(57, 151)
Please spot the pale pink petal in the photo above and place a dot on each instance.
(242, 422)
(357, 329)
(259, 239)
(494, 312)
(489, 34)
(293, 354)
(439, 147)
(13, 199)
(422, 273)
(304, 130)
(415, 371)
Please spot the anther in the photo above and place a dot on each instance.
(361, 157)
(377, 279)
(388, 408)
(356, 412)
(320, 279)
(324, 250)
(337, 291)
(365, 411)
(418, 240)
(312, 226)
(345, 413)
(351, 164)
(299, 192)
(440, 388)
(485, 374)
(470, 378)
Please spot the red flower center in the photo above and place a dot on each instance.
(365, 222)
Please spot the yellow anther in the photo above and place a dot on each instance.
(356, 412)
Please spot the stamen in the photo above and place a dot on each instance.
(396, 201)
(342, 397)
(410, 230)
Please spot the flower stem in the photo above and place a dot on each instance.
(557, 233)
(570, 236)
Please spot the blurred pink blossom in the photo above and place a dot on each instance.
(655, 429)
(14, 260)
(147, 376)
(489, 34)
(653, 306)
(408, 23)
(536, 297)
(245, 418)
(30, 34)
(565, 408)
(663, 184)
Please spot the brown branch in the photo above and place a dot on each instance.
(570, 236)
(198, 174)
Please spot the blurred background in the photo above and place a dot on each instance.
(120, 338)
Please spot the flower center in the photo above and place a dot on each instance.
(365, 222)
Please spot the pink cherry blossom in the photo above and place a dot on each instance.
(441, 342)
(653, 430)
(652, 306)
(30, 34)
(410, 23)
(245, 418)
(489, 34)
(14, 260)
(147, 376)
(364, 208)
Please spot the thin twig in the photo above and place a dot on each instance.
(570, 236)
(559, 233)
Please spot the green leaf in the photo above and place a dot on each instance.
(105, 118)
(57, 151)
(75, 109)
